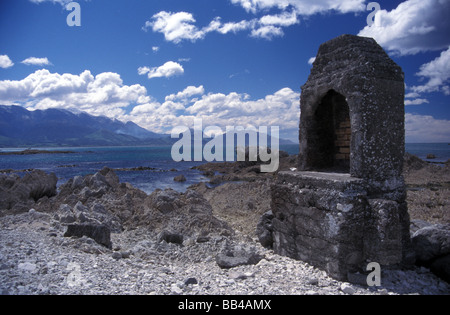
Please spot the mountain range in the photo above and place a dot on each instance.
(58, 127)
(20, 127)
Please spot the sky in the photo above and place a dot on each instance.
(162, 63)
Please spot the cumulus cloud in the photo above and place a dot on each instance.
(167, 70)
(186, 93)
(36, 61)
(303, 7)
(417, 101)
(426, 129)
(414, 26)
(103, 94)
(180, 26)
(5, 62)
(219, 109)
(437, 72)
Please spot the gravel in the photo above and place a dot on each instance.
(36, 259)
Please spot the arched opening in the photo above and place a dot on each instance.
(331, 134)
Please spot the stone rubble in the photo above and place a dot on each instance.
(35, 258)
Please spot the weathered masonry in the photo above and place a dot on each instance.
(346, 207)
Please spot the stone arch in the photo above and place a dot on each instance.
(330, 134)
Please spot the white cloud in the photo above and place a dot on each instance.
(283, 19)
(426, 129)
(311, 60)
(155, 49)
(414, 26)
(106, 94)
(303, 7)
(5, 62)
(437, 72)
(218, 109)
(36, 61)
(167, 70)
(267, 32)
(186, 93)
(175, 26)
(103, 94)
(417, 101)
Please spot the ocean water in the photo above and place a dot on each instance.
(440, 150)
(90, 160)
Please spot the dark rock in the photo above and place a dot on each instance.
(170, 237)
(441, 267)
(179, 178)
(19, 194)
(190, 281)
(203, 239)
(226, 260)
(431, 242)
(99, 233)
(412, 162)
(264, 230)
(417, 225)
(431, 156)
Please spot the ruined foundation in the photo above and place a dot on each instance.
(346, 207)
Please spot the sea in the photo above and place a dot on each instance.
(159, 167)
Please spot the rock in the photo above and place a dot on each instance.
(432, 247)
(431, 156)
(27, 266)
(179, 178)
(226, 260)
(203, 239)
(347, 288)
(431, 242)
(441, 267)
(117, 255)
(264, 230)
(18, 194)
(170, 237)
(40, 184)
(417, 225)
(99, 233)
(412, 162)
(189, 281)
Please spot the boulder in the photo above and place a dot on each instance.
(99, 233)
(170, 237)
(234, 258)
(19, 194)
(179, 178)
(264, 230)
(431, 242)
(432, 247)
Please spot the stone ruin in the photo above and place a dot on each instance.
(346, 205)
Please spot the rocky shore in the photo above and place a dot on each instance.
(96, 235)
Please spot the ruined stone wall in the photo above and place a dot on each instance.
(352, 119)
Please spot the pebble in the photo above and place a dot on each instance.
(347, 288)
(33, 263)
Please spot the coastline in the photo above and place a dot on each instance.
(208, 220)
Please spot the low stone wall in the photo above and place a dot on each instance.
(336, 223)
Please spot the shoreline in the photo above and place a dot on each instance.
(162, 239)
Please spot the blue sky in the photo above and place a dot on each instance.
(162, 63)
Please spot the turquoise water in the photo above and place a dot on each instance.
(90, 160)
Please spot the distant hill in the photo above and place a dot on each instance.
(57, 127)
(20, 127)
